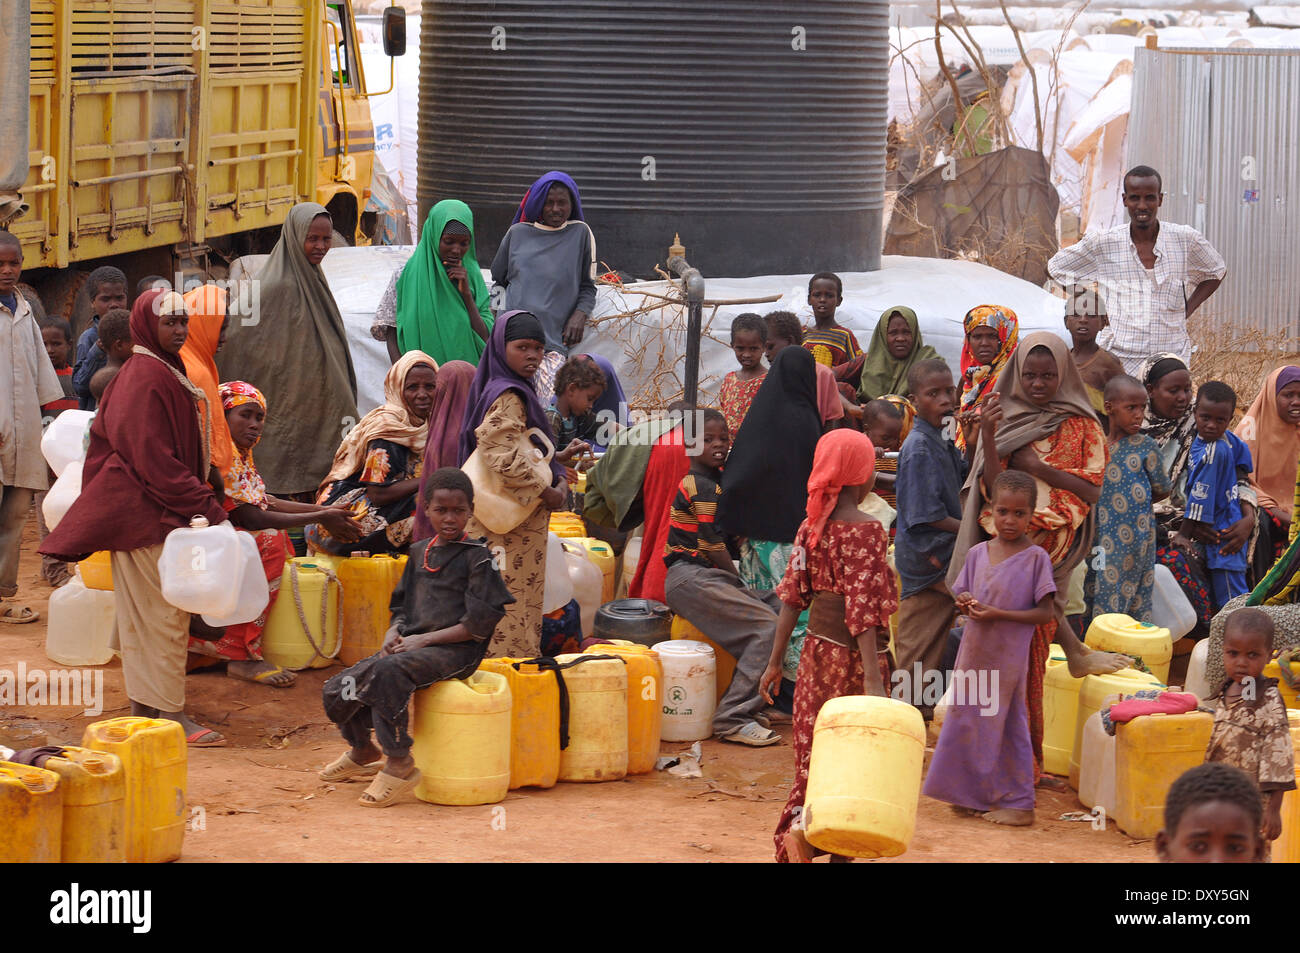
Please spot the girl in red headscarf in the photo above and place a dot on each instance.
(839, 569)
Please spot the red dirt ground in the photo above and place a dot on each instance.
(261, 798)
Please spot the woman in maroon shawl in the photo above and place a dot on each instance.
(442, 449)
(144, 476)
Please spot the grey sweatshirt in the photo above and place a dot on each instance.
(548, 273)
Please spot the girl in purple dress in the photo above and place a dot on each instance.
(983, 763)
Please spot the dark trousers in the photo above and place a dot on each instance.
(376, 692)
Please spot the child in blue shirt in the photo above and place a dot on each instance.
(106, 288)
(931, 471)
(1212, 466)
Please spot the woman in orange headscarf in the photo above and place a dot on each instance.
(207, 307)
(1271, 430)
(991, 335)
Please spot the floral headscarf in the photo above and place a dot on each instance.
(243, 483)
(234, 393)
(977, 380)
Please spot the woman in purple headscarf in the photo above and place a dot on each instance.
(502, 407)
(547, 264)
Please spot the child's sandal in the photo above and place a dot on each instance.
(386, 789)
(344, 769)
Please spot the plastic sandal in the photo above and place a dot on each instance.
(754, 735)
(18, 615)
(386, 789)
(344, 768)
(196, 740)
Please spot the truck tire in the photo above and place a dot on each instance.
(64, 295)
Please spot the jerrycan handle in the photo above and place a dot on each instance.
(548, 664)
(199, 522)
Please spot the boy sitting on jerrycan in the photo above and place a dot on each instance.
(445, 610)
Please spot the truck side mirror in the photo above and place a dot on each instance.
(394, 31)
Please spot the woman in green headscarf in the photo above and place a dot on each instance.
(441, 298)
(294, 349)
(895, 347)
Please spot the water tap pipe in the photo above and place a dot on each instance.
(694, 284)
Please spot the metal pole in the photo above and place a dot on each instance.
(694, 284)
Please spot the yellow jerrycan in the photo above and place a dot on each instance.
(645, 680)
(1288, 692)
(31, 815)
(864, 776)
(534, 721)
(1095, 690)
(682, 629)
(602, 554)
(1151, 752)
(153, 756)
(1145, 643)
(597, 749)
(97, 571)
(567, 525)
(303, 628)
(368, 583)
(461, 730)
(1286, 849)
(94, 805)
(1060, 704)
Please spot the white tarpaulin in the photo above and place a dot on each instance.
(395, 114)
(649, 350)
(1096, 140)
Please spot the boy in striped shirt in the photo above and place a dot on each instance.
(703, 587)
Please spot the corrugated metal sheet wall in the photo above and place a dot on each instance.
(1223, 128)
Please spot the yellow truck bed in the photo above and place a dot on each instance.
(172, 122)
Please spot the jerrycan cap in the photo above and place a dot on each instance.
(116, 733)
(198, 522)
(360, 554)
(95, 765)
(32, 779)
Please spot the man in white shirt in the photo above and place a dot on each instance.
(1153, 275)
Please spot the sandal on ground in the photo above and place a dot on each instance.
(344, 768)
(18, 615)
(1051, 782)
(385, 789)
(264, 678)
(200, 739)
(754, 735)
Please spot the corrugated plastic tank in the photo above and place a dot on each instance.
(754, 129)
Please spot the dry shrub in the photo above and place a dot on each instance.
(1240, 357)
(652, 327)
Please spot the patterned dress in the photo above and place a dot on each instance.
(734, 399)
(521, 552)
(762, 564)
(848, 559)
(387, 528)
(1126, 531)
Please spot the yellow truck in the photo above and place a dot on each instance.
(172, 134)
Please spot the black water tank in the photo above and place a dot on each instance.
(755, 129)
